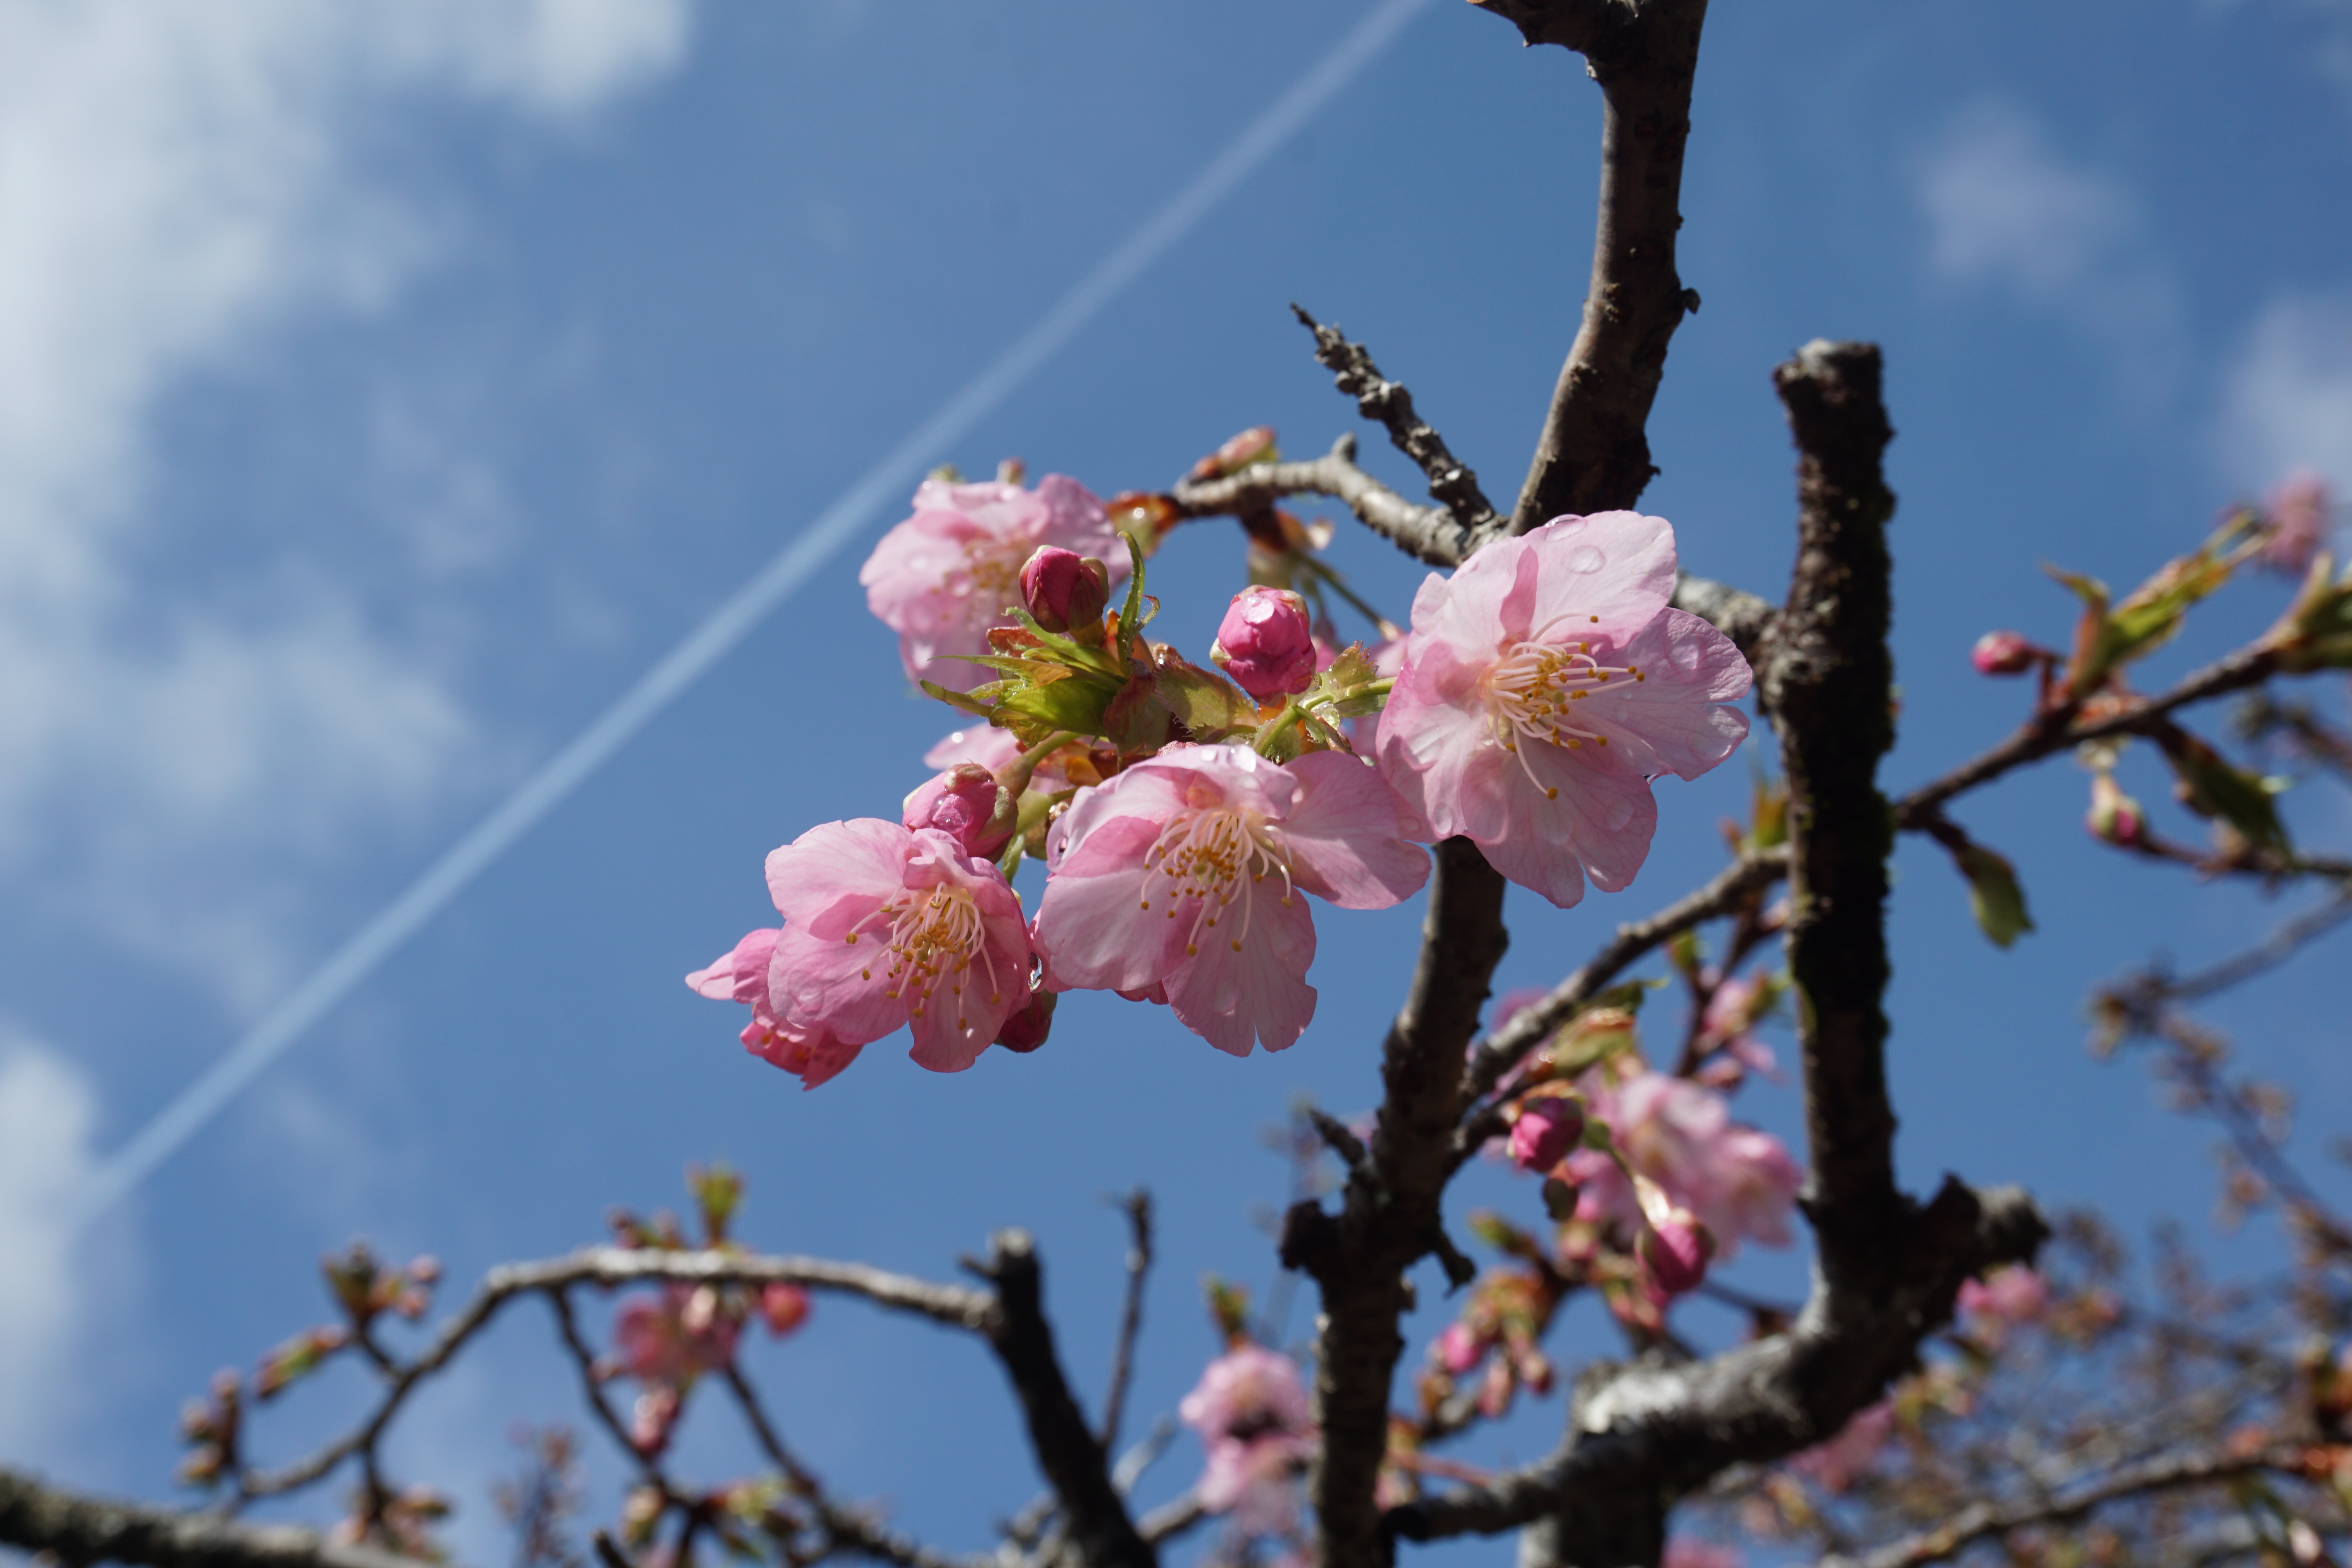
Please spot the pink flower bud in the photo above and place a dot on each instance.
(1025, 1029)
(1459, 1348)
(2003, 653)
(1266, 643)
(1547, 1129)
(1064, 590)
(2115, 816)
(1676, 1250)
(783, 1305)
(965, 803)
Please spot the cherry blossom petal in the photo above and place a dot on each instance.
(1678, 723)
(833, 876)
(1253, 987)
(1348, 835)
(1613, 569)
(1095, 925)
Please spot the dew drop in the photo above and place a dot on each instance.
(1585, 558)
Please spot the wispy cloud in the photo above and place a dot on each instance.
(47, 1115)
(2007, 211)
(175, 182)
(2286, 399)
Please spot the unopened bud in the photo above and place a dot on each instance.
(1546, 1129)
(783, 1305)
(2003, 653)
(2115, 816)
(1459, 1348)
(1676, 1249)
(1065, 590)
(1266, 643)
(967, 804)
(1026, 1027)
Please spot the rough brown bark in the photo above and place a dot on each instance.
(80, 1530)
(1594, 452)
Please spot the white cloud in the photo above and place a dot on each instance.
(2286, 400)
(178, 178)
(2007, 211)
(47, 1116)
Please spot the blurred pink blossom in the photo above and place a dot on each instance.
(2003, 653)
(674, 1335)
(1738, 1181)
(2294, 523)
(1179, 878)
(1544, 685)
(1546, 1129)
(1251, 1412)
(1728, 1024)
(1690, 1551)
(948, 573)
(1846, 1457)
(2009, 1296)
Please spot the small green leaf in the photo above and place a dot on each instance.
(1995, 896)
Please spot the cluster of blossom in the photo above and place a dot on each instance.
(669, 1338)
(1251, 1412)
(1183, 813)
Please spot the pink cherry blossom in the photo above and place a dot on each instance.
(741, 975)
(886, 926)
(1180, 879)
(1837, 1463)
(674, 1335)
(2009, 1296)
(1251, 1412)
(1728, 1024)
(2294, 523)
(1064, 590)
(1544, 686)
(1739, 1181)
(1266, 643)
(1460, 1348)
(1676, 1248)
(1690, 1551)
(948, 573)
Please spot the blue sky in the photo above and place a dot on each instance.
(382, 391)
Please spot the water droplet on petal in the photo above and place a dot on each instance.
(1585, 558)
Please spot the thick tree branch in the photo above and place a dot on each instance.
(1656, 1432)
(78, 1529)
(1829, 680)
(1889, 1270)
(1425, 533)
(1389, 1217)
(1100, 1534)
(1594, 453)
(1451, 483)
(2173, 1472)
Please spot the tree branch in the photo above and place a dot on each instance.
(79, 1529)
(1425, 533)
(1594, 453)
(1451, 483)
(1829, 680)
(1889, 1270)
(1076, 1466)
(1389, 1217)
(2174, 1472)
(1509, 1045)
(1737, 614)
(1136, 1206)
(953, 1305)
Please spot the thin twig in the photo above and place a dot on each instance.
(1502, 1050)
(1451, 483)
(2171, 1473)
(954, 1305)
(1427, 533)
(1137, 1205)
